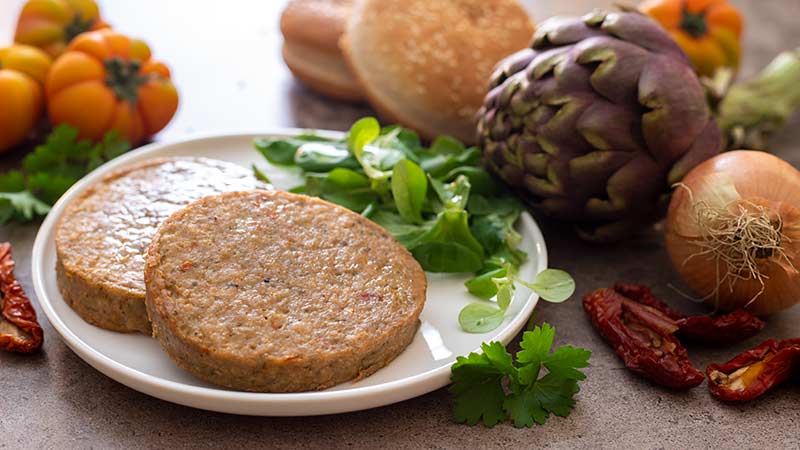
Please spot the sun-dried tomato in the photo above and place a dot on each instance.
(725, 329)
(19, 330)
(721, 330)
(643, 336)
(755, 371)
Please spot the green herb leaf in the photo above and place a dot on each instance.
(409, 187)
(324, 157)
(483, 286)
(342, 186)
(552, 285)
(51, 169)
(453, 196)
(505, 292)
(480, 317)
(21, 206)
(479, 378)
(439, 162)
(481, 182)
(536, 345)
(259, 174)
(446, 257)
(477, 388)
(407, 234)
(12, 181)
(362, 133)
(565, 360)
(281, 150)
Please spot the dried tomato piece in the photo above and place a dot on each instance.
(755, 371)
(19, 330)
(643, 336)
(726, 329)
(644, 294)
(721, 330)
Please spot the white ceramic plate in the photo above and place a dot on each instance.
(137, 361)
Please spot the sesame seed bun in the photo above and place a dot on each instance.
(311, 31)
(426, 63)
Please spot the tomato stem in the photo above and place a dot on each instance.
(694, 23)
(76, 27)
(123, 78)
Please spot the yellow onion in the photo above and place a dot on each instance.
(733, 231)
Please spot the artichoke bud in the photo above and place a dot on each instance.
(596, 120)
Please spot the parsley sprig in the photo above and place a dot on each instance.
(490, 387)
(51, 169)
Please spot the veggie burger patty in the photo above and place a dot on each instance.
(103, 235)
(278, 292)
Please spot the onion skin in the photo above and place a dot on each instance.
(759, 178)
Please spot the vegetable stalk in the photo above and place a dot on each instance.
(752, 110)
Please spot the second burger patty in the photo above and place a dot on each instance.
(278, 292)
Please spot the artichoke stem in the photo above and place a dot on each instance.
(752, 110)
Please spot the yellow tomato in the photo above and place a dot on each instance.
(52, 24)
(107, 81)
(22, 72)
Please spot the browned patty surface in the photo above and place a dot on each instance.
(278, 292)
(103, 235)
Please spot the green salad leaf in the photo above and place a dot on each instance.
(439, 203)
(409, 187)
(51, 169)
(490, 387)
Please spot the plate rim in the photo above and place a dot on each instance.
(199, 396)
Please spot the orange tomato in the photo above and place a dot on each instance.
(22, 73)
(52, 24)
(707, 30)
(107, 81)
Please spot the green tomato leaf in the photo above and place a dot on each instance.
(552, 285)
(480, 317)
(409, 187)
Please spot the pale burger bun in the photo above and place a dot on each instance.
(426, 63)
(311, 31)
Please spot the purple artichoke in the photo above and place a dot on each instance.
(596, 121)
